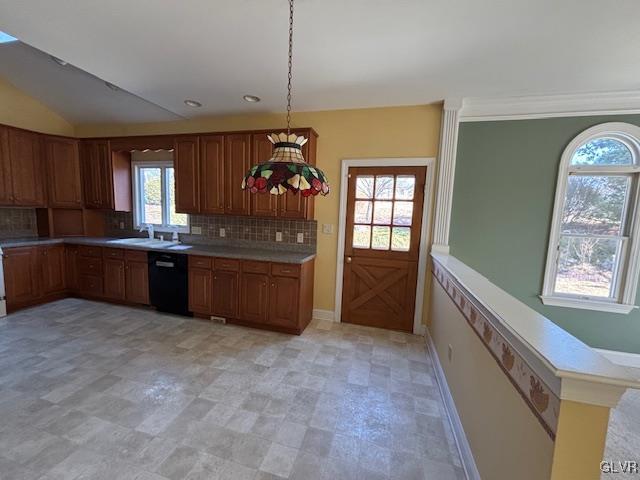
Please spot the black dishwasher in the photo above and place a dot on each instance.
(169, 282)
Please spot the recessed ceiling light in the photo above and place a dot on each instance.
(192, 103)
(251, 98)
(59, 61)
(113, 87)
(6, 38)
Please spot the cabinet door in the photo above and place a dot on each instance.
(53, 261)
(26, 168)
(263, 204)
(225, 294)
(254, 297)
(137, 282)
(294, 205)
(6, 190)
(20, 275)
(96, 174)
(200, 290)
(237, 161)
(212, 174)
(71, 267)
(63, 172)
(114, 278)
(187, 175)
(283, 304)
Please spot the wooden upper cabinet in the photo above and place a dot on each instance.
(26, 168)
(187, 174)
(6, 190)
(262, 204)
(63, 172)
(97, 174)
(212, 174)
(237, 161)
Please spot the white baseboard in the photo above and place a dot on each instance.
(319, 314)
(466, 455)
(621, 358)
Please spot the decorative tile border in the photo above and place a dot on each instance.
(542, 401)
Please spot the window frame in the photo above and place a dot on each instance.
(625, 276)
(137, 195)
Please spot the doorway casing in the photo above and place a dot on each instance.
(429, 162)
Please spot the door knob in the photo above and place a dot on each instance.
(348, 259)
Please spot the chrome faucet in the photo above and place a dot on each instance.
(149, 228)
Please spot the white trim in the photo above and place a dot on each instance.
(428, 162)
(584, 391)
(624, 359)
(550, 106)
(328, 315)
(570, 302)
(464, 449)
(630, 270)
(446, 173)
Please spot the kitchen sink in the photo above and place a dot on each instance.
(144, 242)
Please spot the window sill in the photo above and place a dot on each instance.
(587, 304)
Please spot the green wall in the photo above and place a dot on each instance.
(506, 173)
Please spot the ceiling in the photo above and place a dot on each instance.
(347, 54)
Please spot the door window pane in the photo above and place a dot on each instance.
(361, 236)
(382, 213)
(380, 238)
(384, 187)
(586, 266)
(402, 213)
(362, 212)
(595, 204)
(151, 183)
(603, 151)
(175, 218)
(364, 187)
(401, 239)
(405, 186)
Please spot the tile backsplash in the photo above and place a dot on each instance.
(239, 230)
(18, 223)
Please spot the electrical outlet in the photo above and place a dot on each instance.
(121, 225)
(450, 352)
(327, 228)
(223, 233)
(196, 230)
(278, 236)
(300, 238)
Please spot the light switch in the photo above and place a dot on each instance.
(327, 228)
(278, 236)
(300, 238)
(223, 233)
(196, 230)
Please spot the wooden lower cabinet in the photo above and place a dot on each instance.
(20, 275)
(137, 282)
(52, 268)
(114, 278)
(71, 268)
(258, 294)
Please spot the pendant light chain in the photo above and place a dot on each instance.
(290, 67)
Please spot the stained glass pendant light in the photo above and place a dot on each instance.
(286, 170)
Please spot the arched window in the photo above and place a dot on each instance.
(594, 249)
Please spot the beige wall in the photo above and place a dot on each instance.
(506, 438)
(20, 110)
(364, 133)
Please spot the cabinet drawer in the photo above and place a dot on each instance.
(90, 266)
(135, 255)
(91, 284)
(200, 262)
(227, 264)
(285, 270)
(255, 267)
(88, 251)
(113, 253)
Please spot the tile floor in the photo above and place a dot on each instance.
(97, 391)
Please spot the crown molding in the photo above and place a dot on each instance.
(477, 109)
